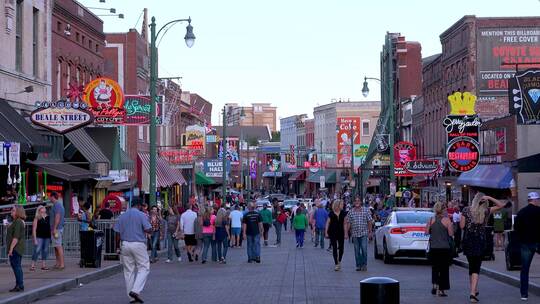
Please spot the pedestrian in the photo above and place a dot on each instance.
(15, 241)
(320, 218)
(266, 215)
(288, 215)
(456, 219)
(57, 228)
(335, 231)
(84, 216)
(281, 219)
(157, 232)
(360, 224)
(473, 221)
(300, 223)
(236, 225)
(252, 229)
(41, 235)
(173, 226)
(222, 235)
(208, 222)
(132, 226)
(527, 226)
(499, 218)
(188, 221)
(440, 229)
(105, 213)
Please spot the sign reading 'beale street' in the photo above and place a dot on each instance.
(61, 119)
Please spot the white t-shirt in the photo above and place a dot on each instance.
(236, 219)
(187, 221)
(456, 217)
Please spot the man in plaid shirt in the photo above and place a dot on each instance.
(359, 224)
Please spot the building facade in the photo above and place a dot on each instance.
(258, 114)
(25, 64)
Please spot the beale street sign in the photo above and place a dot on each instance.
(60, 117)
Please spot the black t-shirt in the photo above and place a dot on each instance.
(336, 229)
(527, 224)
(252, 220)
(43, 230)
(105, 214)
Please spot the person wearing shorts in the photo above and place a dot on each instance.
(187, 227)
(57, 228)
(236, 225)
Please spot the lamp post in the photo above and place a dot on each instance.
(242, 117)
(190, 39)
(224, 156)
(389, 100)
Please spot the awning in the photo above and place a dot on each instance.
(201, 179)
(330, 176)
(87, 146)
(165, 175)
(529, 163)
(487, 176)
(67, 172)
(122, 186)
(272, 174)
(298, 176)
(14, 128)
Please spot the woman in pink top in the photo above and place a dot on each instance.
(208, 223)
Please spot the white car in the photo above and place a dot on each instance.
(403, 234)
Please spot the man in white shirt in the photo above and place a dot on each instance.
(236, 225)
(187, 225)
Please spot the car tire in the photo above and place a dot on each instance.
(376, 253)
(387, 258)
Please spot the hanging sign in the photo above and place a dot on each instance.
(3, 154)
(194, 138)
(403, 152)
(524, 96)
(422, 166)
(253, 169)
(106, 101)
(138, 110)
(214, 167)
(347, 127)
(463, 154)
(61, 116)
(15, 153)
(462, 120)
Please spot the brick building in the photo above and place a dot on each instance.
(258, 114)
(77, 46)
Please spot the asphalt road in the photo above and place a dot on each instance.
(286, 275)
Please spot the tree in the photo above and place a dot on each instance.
(276, 136)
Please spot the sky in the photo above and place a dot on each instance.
(295, 54)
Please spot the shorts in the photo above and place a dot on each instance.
(475, 262)
(57, 241)
(266, 227)
(236, 231)
(190, 240)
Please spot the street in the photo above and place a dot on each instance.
(286, 275)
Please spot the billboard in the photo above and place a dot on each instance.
(347, 127)
(232, 144)
(138, 110)
(498, 51)
(524, 96)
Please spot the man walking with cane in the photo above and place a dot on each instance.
(132, 227)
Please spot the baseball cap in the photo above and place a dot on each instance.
(533, 195)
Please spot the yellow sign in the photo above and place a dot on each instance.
(462, 104)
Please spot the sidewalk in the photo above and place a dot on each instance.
(40, 283)
(497, 270)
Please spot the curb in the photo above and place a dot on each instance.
(501, 277)
(55, 288)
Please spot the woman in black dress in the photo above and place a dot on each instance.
(336, 232)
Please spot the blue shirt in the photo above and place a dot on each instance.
(320, 216)
(57, 208)
(131, 226)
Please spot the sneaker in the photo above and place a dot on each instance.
(203, 262)
(297, 245)
(179, 259)
(364, 268)
(258, 260)
(524, 298)
(358, 268)
(168, 261)
(336, 268)
(250, 261)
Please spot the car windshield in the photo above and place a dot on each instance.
(290, 203)
(413, 217)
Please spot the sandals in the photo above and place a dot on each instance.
(473, 299)
(32, 268)
(44, 268)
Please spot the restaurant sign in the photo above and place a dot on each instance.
(422, 166)
(138, 110)
(61, 116)
(403, 152)
(463, 154)
(105, 99)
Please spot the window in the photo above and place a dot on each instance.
(58, 79)
(18, 35)
(59, 26)
(68, 75)
(78, 76)
(35, 31)
(83, 40)
(77, 37)
(141, 132)
(90, 43)
(97, 47)
(365, 127)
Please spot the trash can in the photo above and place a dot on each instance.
(379, 290)
(110, 245)
(91, 243)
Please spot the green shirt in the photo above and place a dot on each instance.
(16, 231)
(266, 216)
(499, 218)
(300, 221)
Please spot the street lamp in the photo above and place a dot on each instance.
(389, 106)
(190, 39)
(242, 117)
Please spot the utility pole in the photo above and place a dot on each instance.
(351, 126)
(224, 156)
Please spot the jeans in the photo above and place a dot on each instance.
(319, 237)
(527, 254)
(337, 248)
(360, 250)
(253, 247)
(155, 240)
(207, 242)
(172, 242)
(278, 231)
(15, 261)
(299, 237)
(42, 248)
(222, 247)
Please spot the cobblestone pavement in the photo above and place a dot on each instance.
(286, 275)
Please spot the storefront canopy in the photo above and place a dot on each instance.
(201, 179)
(66, 172)
(14, 128)
(330, 176)
(487, 176)
(165, 175)
(298, 176)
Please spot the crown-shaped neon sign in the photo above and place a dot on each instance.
(462, 103)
